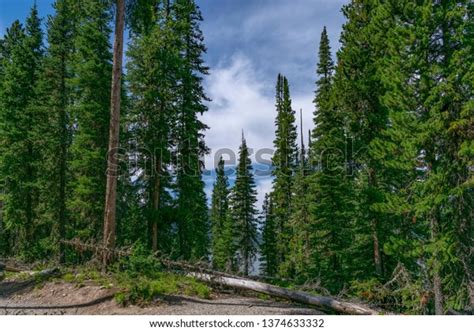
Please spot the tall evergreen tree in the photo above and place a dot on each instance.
(284, 162)
(223, 247)
(445, 95)
(395, 152)
(20, 141)
(193, 222)
(55, 103)
(331, 205)
(301, 219)
(244, 197)
(153, 80)
(360, 92)
(91, 85)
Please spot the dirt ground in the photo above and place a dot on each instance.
(62, 298)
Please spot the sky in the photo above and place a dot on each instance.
(249, 42)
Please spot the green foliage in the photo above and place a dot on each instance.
(401, 294)
(152, 73)
(381, 205)
(284, 161)
(91, 84)
(55, 103)
(243, 199)
(300, 260)
(140, 263)
(193, 223)
(20, 141)
(144, 290)
(268, 251)
(223, 246)
(142, 279)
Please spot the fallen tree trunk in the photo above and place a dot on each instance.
(46, 273)
(297, 296)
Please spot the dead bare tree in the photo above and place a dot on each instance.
(114, 130)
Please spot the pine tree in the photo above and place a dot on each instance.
(331, 205)
(395, 151)
(91, 83)
(445, 108)
(325, 71)
(363, 46)
(193, 223)
(284, 162)
(244, 197)
(11, 51)
(55, 102)
(301, 219)
(153, 74)
(223, 247)
(21, 151)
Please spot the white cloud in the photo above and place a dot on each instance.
(278, 35)
(249, 44)
(242, 101)
(264, 186)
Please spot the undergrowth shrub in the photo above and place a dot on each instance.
(143, 279)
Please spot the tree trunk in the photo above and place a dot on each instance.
(375, 234)
(1, 218)
(156, 205)
(438, 294)
(297, 296)
(437, 285)
(62, 167)
(112, 164)
(377, 256)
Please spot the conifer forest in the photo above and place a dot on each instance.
(103, 145)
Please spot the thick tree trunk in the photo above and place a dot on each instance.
(438, 294)
(112, 166)
(297, 296)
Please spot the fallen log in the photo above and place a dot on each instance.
(201, 272)
(46, 273)
(297, 296)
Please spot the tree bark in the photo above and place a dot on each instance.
(62, 164)
(156, 204)
(375, 234)
(437, 285)
(377, 256)
(438, 294)
(1, 219)
(297, 296)
(112, 166)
